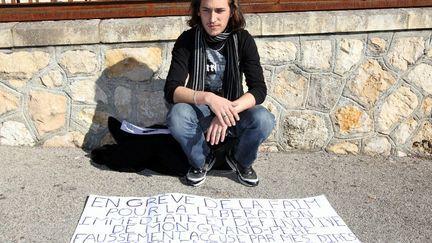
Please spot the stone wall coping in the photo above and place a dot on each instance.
(95, 31)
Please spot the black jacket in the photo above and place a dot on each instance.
(183, 58)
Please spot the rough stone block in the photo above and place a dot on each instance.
(136, 64)
(377, 146)
(378, 44)
(71, 139)
(397, 106)
(22, 64)
(406, 51)
(151, 108)
(369, 83)
(351, 120)
(343, 147)
(8, 101)
(289, 87)
(142, 29)
(92, 118)
(305, 131)
(426, 107)
(297, 23)
(79, 62)
(276, 51)
(47, 110)
(317, 54)
(324, 92)
(392, 19)
(419, 18)
(349, 54)
(351, 21)
(6, 39)
(404, 131)
(53, 78)
(15, 133)
(56, 33)
(422, 141)
(85, 116)
(253, 24)
(421, 76)
(123, 102)
(87, 91)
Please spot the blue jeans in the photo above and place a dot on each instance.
(188, 124)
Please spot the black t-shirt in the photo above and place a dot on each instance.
(215, 69)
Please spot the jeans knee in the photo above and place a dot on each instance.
(179, 115)
(265, 120)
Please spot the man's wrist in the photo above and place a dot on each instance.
(205, 97)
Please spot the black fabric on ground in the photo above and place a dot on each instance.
(158, 152)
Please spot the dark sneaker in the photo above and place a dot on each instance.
(210, 161)
(197, 176)
(246, 175)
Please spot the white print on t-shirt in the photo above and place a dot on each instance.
(215, 69)
(210, 67)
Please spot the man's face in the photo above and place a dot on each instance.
(214, 15)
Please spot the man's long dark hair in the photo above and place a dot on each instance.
(236, 22)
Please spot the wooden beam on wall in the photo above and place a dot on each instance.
(151, 8)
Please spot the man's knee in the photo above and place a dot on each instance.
(179, 114)
(264, 118)
(179, 111)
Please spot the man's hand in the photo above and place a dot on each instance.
(216, 132)
(224, 110)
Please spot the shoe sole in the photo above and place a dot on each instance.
(247, 183)
(196, 180)
(195, 184)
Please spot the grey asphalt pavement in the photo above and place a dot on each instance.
(43, 190)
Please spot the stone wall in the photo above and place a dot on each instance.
(356, 82)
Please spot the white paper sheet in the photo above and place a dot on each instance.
(134, 129)
(175, 217)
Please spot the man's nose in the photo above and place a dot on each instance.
(212, 16)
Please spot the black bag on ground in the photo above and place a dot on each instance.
(158, 152)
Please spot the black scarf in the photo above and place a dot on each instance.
(232, 80)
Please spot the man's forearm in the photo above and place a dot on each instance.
(187, 95)
(245, 102)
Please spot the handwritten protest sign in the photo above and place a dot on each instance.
(175, 217)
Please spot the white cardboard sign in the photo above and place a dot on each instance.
(175, 217)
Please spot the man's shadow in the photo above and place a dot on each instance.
(130, 90)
